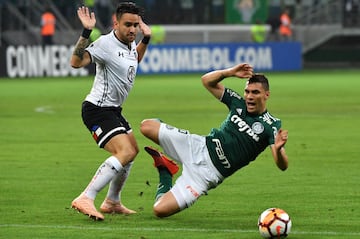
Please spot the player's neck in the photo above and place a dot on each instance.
(128, 44)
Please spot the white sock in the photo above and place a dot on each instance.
(118, 182)
(103, 176)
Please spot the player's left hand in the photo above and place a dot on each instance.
(145, 29)
(281, 138)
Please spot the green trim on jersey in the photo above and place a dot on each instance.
(241, 137)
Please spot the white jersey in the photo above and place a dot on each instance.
(116, 67)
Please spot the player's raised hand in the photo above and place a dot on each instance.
(145, 29)
(242, 70)
(86, 17)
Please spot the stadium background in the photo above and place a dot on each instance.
(326, 34)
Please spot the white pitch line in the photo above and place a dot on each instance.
(44, 109)
(171, 229)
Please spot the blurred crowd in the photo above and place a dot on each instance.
(280, 15)
(189, 11)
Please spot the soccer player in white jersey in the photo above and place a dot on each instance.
(116, 56)
(207, 160)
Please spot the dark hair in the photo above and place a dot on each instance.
(260, 78)
(128, 7)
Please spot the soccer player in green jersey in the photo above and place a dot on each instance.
(207, 160)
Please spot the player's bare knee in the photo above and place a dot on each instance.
(144, 127)
(127, 154)
(147, 126)
(131, 152)
(158, 212)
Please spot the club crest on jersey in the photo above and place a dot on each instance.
(131, 74)
(257, 127)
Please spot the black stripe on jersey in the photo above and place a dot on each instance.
(106, 87)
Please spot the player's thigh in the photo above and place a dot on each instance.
(188, 187)
(175, 142)
(166, 205)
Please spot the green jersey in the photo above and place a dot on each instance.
(241, 137)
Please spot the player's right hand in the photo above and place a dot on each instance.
(86, 17)
(242, 70)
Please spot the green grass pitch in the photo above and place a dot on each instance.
(47, 157)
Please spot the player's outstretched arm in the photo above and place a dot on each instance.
(211, 80)
(80, 57)
(278, 150)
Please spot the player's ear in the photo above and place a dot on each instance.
(267, 94)
(114, 20)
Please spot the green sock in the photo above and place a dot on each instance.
(165, 182)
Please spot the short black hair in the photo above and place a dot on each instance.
(128, 7)
(260, 78)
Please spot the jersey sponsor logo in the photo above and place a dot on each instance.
(244, 127)
(220, 153)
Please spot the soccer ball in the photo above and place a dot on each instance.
(274, 223)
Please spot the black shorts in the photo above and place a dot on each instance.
(104, 122)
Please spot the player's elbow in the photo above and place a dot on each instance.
(283, 168)
(205, 81)
(78, 62)
(283, 165)
(74, 64)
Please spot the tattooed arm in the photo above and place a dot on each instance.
(80, 57)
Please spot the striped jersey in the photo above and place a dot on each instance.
(241, 137)
(116, 67)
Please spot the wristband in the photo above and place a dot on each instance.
(146, 40)
(86, 33)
